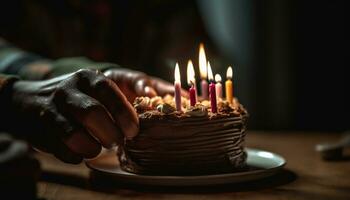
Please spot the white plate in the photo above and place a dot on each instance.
(262, 164)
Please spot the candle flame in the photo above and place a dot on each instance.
(190, 73)
(210, 73)
(202, 62)
(177, 73)
(229, 72)
(217, 78)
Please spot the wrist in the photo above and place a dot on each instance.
(68, 65)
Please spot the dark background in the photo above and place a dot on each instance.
(288, 56)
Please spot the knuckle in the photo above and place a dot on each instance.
(142, 82)
(92, 108)
(102, 82)
(64, 125)
(140, 77)
(84, 71)
(47, 114)
(60, 92)
(84, 74)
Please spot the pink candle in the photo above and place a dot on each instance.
(192, 95)
(204, 87)
(212, 94)
(177, 85)
(212, 90)
(195, 87)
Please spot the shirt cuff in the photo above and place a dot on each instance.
(6, 80)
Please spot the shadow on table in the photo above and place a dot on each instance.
(342, 158)
(102, 183)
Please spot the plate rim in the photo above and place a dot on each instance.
(132, 178)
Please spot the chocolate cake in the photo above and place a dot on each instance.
(191, 142)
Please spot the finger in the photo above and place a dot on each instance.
(66, 155)
(135, 81)
(141, 84)
(109, 94)
(55, 127)
(163, 87)
(82, 143)
(125, 79)
(93, 116)
(143, 87)
(60, 127)
(77, 140)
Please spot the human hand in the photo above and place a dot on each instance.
(135, 83)
(72, 115)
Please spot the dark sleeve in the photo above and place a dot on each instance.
(68, 65)
(6, 82)
(29, 66)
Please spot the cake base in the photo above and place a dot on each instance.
(260, 164)
(183, 168)
(186, 146)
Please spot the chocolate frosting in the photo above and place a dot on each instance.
(187, 143)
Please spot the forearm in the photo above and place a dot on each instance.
(29, 66)
(26, 65)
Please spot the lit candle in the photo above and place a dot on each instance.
(192, 82)
(203, 71)
(177, 85)
(218, 86)
(228, 85)
(212, 91)
(190, 64)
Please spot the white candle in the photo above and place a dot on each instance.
(218, 86)
(177, 85)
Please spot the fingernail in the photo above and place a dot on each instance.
(114, 144)
(131, 131)
(129, 125)
(128, 121)
(149, 91)
(98, 155)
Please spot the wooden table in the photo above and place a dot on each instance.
(305, 176)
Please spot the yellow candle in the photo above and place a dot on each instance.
(228, 85)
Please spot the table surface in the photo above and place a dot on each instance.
(306, 176)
